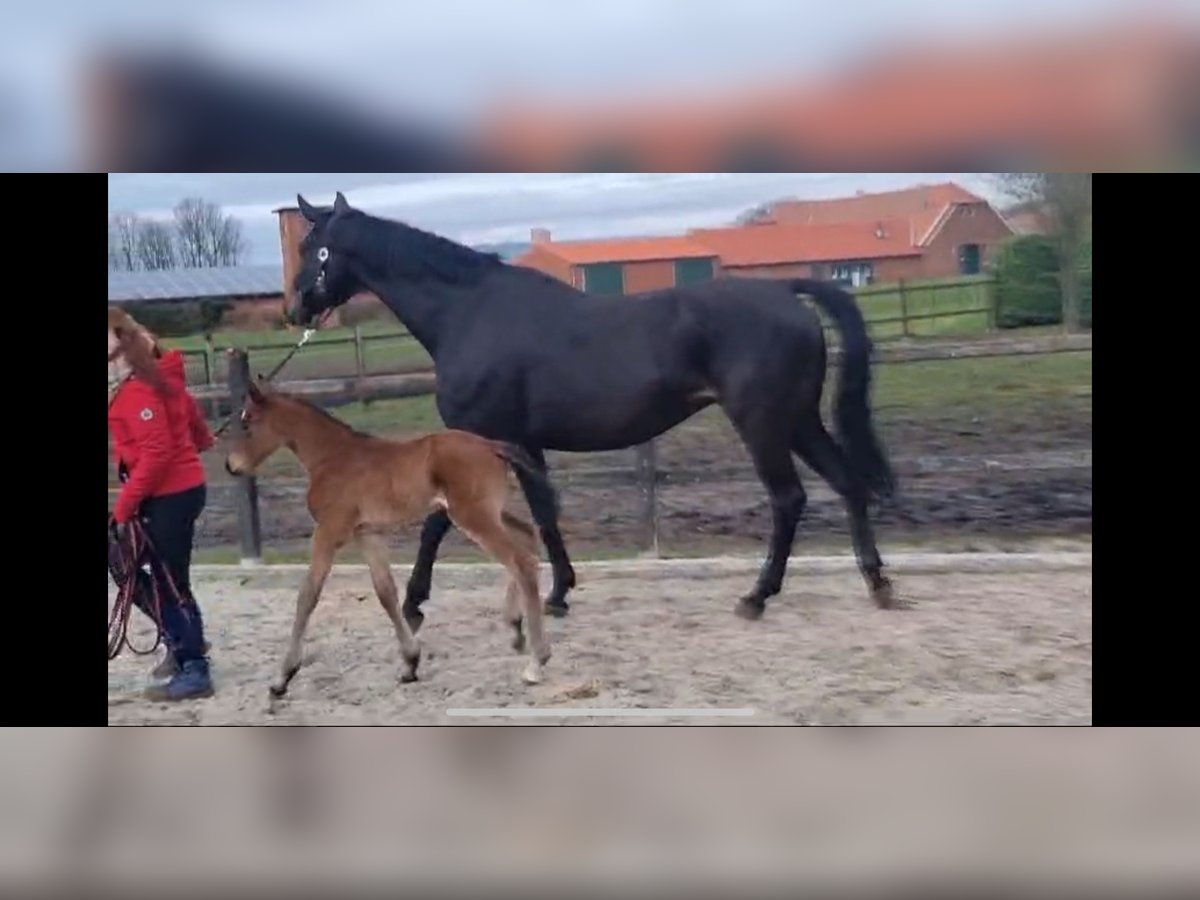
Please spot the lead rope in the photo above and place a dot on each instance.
(137, 546)
(308, 333)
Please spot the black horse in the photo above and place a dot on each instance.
(524, 358)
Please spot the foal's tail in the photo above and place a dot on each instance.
(853, 411)
(539, 492)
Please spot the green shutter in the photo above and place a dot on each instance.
(693, 271)
(604, 278)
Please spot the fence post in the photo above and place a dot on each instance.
(360, 360)
(993, 304)
(249, 527)
(210, 368)
(903, 308)
(647, 480)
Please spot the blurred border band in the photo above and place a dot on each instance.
(158, 114)
(1126, 99)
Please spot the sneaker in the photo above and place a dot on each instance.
(169, 667)
(191, 682)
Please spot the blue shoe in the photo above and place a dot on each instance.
(169, 667)
(191, 683)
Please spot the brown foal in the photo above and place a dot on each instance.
(359, 483)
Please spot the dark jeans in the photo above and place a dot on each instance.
(170, 522)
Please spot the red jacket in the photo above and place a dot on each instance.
(157, 436)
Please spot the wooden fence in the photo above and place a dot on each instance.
(646, 474)
(957, 307)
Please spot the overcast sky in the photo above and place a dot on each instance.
(486, 208)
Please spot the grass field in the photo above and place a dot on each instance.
(922, 298)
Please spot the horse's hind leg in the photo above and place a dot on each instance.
(769, 448)
(324, 546)
(375, 552)
(420, 580)
(816, 447)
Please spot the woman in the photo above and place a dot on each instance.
(158, 433)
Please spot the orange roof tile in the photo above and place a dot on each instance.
(580, 253)
(764, 245)
(923, 205)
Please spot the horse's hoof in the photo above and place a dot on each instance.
(532, 675)
(518, 642)
(276, 691)
(408, 677)
(885, 596)
(558, 610)
(750, 609)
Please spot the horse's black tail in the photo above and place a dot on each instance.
(539, 492)
(852, 411)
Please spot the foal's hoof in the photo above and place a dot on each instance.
(750, 608)
(558, 610)
(409, 675)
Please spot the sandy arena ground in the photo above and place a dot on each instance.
(990, 639)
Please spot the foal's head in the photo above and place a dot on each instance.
(265, 430)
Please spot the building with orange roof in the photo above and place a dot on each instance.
(621, 265)
(929, 231)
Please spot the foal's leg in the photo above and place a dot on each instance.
(513, 605)
(324, 545)
(522, 534)
(814, 445)
(486, 528)
(375, 552)
(419, 581)
(556, 550)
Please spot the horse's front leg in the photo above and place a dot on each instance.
(421, 579)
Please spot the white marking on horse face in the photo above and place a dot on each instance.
(703, 394)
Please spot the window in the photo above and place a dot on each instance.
(856, 274)
(969, 259)
(604, 278)
(693, 271)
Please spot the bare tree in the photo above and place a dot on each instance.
(156, 245)
(1065, 201)
(205, 236)
(123, 242)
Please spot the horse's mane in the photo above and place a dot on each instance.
(313, 407)
(401, 250)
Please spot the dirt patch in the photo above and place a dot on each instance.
(984, 647)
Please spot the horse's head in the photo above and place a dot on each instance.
(260, 435)
(327, 276)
